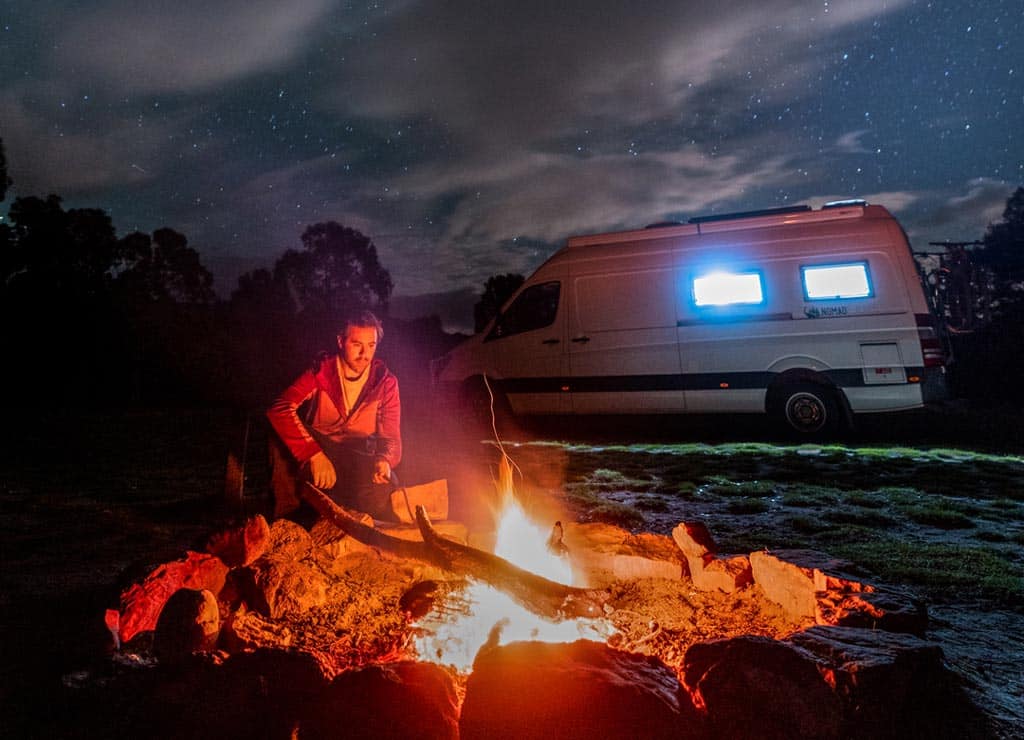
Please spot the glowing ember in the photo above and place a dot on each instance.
(484, 613)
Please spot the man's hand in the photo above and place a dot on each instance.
(321, 471)
(381, 471)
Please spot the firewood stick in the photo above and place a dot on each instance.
(545, 597)
(554, 601)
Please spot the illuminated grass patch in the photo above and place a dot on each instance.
(747, 505)
(940, 517)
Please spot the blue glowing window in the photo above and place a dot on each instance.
(831, 282)
(728, 289)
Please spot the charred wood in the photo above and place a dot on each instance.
(554, 601)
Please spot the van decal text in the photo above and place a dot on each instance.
(824, 312)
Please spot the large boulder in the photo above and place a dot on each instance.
(142, 603)
(755, 687)
(582, 689)
(889, 682)
(404, 701)
(189, 623)
(241, 545)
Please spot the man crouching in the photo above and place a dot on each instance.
(347, 438)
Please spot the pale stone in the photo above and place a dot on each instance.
(790, 586)
(602, 552)
(433, 497)
(694, 539)
(726, 574)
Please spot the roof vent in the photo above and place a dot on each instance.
(845, 203)
(663, 224)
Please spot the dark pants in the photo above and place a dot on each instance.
(354, 464)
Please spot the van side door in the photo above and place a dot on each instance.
(526, 349)
(623, 354)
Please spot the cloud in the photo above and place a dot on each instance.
(960, 214)
(985, 199)
(48, 154)
(184, 45)
(517, 89)
(503, 74)
(849, 143)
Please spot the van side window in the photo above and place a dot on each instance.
(728, 289)
(534, 308)
(832, 282)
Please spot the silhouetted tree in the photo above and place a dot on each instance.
(133, 316)
(336, 271)
(988, 362)
(163, 268)
(497, 290)
(5, 181)
(280, 319)
(62, 256)
(1003, 253)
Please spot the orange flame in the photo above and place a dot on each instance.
(495, 618)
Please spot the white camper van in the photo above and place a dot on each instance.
(811, 316)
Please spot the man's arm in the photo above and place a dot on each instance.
(284, 418)
(389, 423)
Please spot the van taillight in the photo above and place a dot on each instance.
(931, 344)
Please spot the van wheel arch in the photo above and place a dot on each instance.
(807, 404)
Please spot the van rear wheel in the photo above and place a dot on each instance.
(808, 410)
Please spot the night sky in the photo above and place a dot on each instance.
(471, 138)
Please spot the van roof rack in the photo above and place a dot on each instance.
(749, 214)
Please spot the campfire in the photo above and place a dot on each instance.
(468, 618)
(619, 634)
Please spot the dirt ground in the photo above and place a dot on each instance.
(91, 501)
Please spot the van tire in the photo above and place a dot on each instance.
(807, 410)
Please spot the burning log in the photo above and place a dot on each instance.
(554, 601)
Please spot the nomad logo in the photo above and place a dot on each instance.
(824, 312)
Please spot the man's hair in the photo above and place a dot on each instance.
(364, 320)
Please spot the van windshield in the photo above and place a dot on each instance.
(534, 308)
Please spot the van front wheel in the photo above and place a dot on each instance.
(808, 410)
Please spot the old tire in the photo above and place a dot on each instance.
(807, 410)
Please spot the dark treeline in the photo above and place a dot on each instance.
(91, 319)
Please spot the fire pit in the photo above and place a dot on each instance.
(550, 630)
